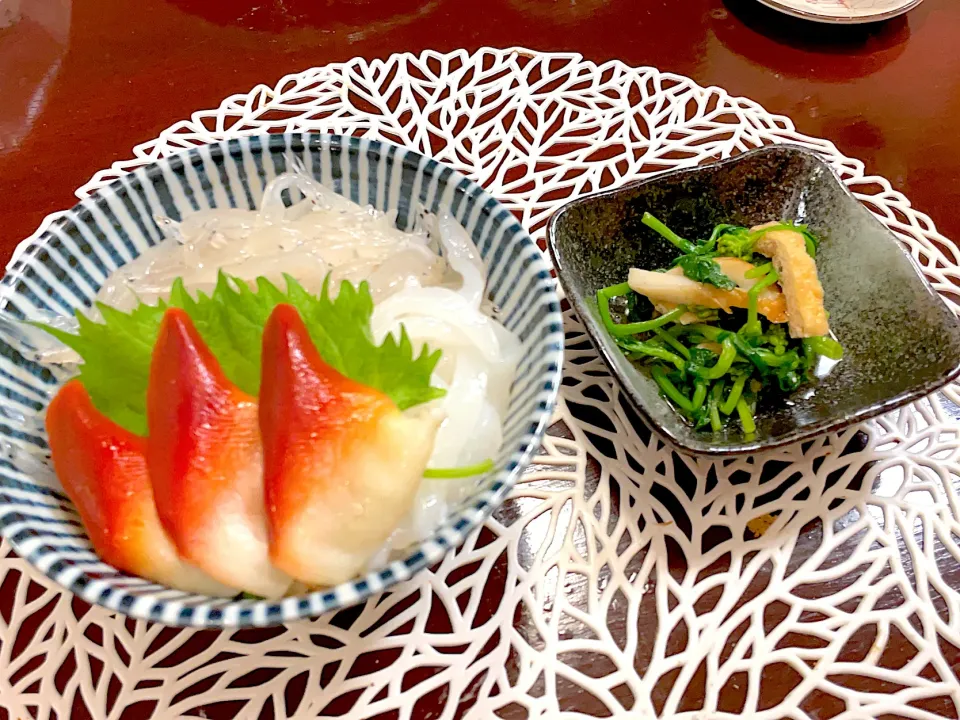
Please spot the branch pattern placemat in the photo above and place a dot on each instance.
(619, 579)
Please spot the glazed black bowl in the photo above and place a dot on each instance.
(901, 341)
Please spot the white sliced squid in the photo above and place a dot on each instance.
(462, 256)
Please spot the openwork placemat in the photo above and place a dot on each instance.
(620, 579)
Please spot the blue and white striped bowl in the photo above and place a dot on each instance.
(65, 266)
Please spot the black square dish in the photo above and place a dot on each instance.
(901, 341)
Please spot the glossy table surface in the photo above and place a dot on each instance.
(82, 82)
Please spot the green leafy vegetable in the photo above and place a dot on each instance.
(736, 242)
(753, 326)
(699, 395)
(669, 389)
(775, 337)
(705, 270)
(685, 246)
(697, 260)
(826, 346)
(758, 271)
(711, 386)
(700, 360)
(637, 350)
(746, 417)
(733, 398)
(624, 329)
(116, 353)
(705, 314)
(716, 393)
(723, 364)
(669, 340)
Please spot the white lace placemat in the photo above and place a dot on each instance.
(619, 579)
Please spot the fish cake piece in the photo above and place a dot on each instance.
(669, 289)
(787, 249)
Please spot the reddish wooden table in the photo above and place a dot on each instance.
(82, 82)
(88, 79)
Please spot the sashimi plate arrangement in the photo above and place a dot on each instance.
(269, 377)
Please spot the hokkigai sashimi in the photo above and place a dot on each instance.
(342, 464)
(301, 428)
(206, 463)
(103, 468)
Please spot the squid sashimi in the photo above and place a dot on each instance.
(103, 469)
(205, 462)
(342, 464)
(266, 474)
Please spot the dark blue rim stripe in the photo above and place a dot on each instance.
(137, 207)
(178, 165)
(234, 151)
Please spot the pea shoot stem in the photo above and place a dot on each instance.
(670, 390)
(672, 342)
(734, 397)
(637, 349)
(752, 326)
(727, 355)
(625, 329)
(699, 395)
(825, 345)
(715, 394)
(667, 234)
(747, 422)
(758, 271)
